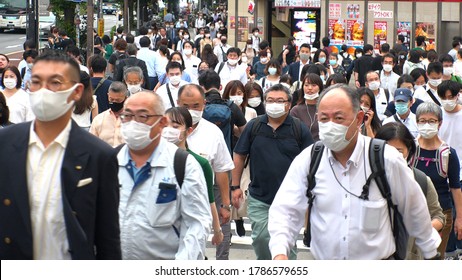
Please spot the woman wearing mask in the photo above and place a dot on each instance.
(254, 95)
(260, 66)
(4, 112)
(179, 127)
(249, 51)
(413, 62)
(441, 163)
(86, 108)
(371, 122)
(16, 98)
(306, 108)
(186, 38)
(398, 136)
(208, 56)
(420, 78)
(320, 57)
(334, 66)
(206, 40)
(178, 57)
(4, 62)
(273, 72)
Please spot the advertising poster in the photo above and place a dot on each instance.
(336, 32)
(304, 27)
(404, 28)
(243, 29)
(232, 22)
(355, 33)
(352, 11)
(380, 34)
(426, 29)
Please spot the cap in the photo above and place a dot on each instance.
(403, 94)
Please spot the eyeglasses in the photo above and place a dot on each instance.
(142, 118)
(431, 121)
(278, 101)
(53, 85)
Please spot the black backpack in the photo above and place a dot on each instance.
(377, 164)
(346, 62)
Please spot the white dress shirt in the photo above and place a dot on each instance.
(219, 52)
(410, 122)
(231, 73)
(192, 64)
(341, 228)
(381, 103)
(422, 94)
(149, 57)
(49, 237)
(163, 93)
(173, 229)
(19, 105)
(160, 64)
(389, 82)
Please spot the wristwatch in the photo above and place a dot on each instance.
(227, 207)
(233, 188)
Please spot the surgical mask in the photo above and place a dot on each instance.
(196, 116)
(333, 135)
(207, 35)
(10, 83)
(237, 99)
(187, 51)
(186, 37)
(427, 130)
(358, 55)
(175, 80)
(254, 102)
(448, 105)
(447, 71)
(416, 87)
(374, 85)
(387, 67)
(244, 59)
(136, 134)
(322, 60)
(272, 70)
(49, 105)
(365, 109)
(311, 96)
(401, 108)
(134, 88)
(29, 65)
(172, 134)
(264, 60)
(268, 55)
(304, 56)
(435, 82)
(249, 46)
(332, 62)
(275, 110)
(115, 106)
(233, 62)
(255, 34)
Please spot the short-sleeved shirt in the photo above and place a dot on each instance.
(440, 183)
(208, 173)
(271, 154)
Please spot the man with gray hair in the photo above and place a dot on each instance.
(133, 78)
(106, 125)
(347, 220)
(162, 215)
(271, 142)
(131, 61)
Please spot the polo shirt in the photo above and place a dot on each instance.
(271, 154)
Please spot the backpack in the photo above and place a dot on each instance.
(218, 111)
(120, 56)
(346, 62)
(441, 160)
(377, 164)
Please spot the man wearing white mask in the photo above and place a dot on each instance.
(191, 61)
(256, 39)
(169, 91)
(207, 141)
(435, 77)
(382, 96)
(168, 213)
(62, 201)
(133, 78)
(230, 70)
(271, 141)
(448, 69)
(343, 224)
(388, 78)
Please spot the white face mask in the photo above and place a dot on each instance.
(264, 60)
(136, 134)
(447, 71)
(375, 85)
(10, 83)
(255, 34)
(48, 105)
(427, 130)
(387, 67)
(172, 135)
(237, 99)
(275, 110)
(187, 51)
(333, 135)
(311, 96)
(272, 70)
(268, 55)
(244, 59)
(29, 65)
(196, 116)
(134, 88)
(416, 87)
(254, 101)
(232, 62)
(448, 105)
(434, 82)
(175, 80)
(249, 46)
(359, 55)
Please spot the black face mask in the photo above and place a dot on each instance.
(116, 107)
(223, 41)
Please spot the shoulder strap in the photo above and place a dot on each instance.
(396, 118)
(179, 165)
(253, 133)
(99, 84)
(297, 129)
(433, 97)
(387, 94)
(170, 96)
(222, 64)
(263, 83)
(23, 72)
(421, 178)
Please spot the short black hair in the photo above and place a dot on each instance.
(436, 67)
(367, 48)
(398, 131)
(455, 43)
(61, 57)
(452, 86)
(173, 65)
(145, 42)
(29, 44)
(130, 38)
(405, 78)
(325, 41)
(446, 58)
(143, 30)
(106, 40)
(209, 79)
(98, 64)
(401, 38)
(74, 50)
(120, 29)
(417, 73)
(234, 50)
(255, 29)
(420, 40)
(389, 55)
(15, 70)
(305, 45)
(384, 48)
(30, 53)
(263, 45)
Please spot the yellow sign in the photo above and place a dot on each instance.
(100, 27)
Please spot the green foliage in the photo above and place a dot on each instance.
(64, 12)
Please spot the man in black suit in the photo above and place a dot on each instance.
(295, 68)
(59, 188)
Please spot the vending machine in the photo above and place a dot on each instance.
(305, 25)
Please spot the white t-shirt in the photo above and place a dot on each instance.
(163, 93)
(229, 73)
(267, 84)
(451, 132)
(19, 106)
(84, 120)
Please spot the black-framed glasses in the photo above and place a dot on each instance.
(431, 121)
(141, 118)
(278, 101)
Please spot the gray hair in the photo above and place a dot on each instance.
(278, 87)
(429, 108)
(351, 93)
(132, 49)
(157, 104)
(133, 69)
(118, 87)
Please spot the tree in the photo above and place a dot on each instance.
(65, 14)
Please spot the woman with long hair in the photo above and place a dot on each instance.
(371, 122)
(86, 108)
(208, 56)
(16, 98)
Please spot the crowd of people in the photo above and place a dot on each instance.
(165, 138)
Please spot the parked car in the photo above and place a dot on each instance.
(46, 23)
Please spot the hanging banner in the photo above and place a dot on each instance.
(404, 28)
(380, 34)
